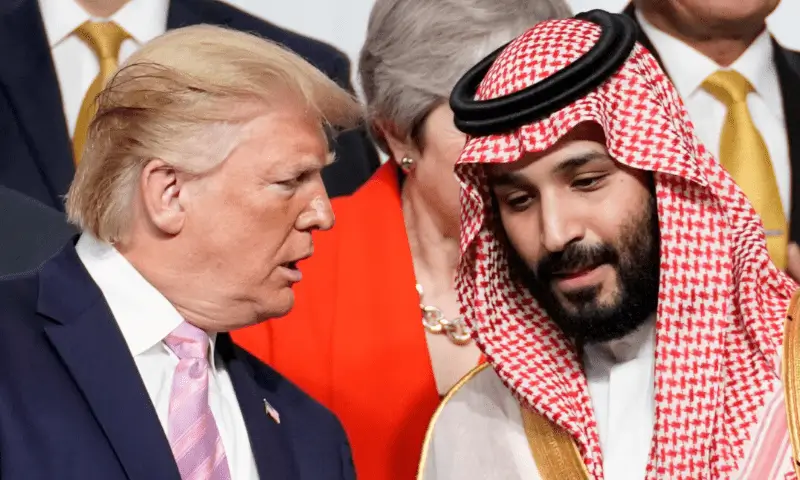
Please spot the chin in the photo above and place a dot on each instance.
(609, 295)
(600, 295)
(277, 305)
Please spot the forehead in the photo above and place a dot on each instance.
(583, 145)
(286, 139)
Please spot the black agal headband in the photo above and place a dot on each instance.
(500, 115)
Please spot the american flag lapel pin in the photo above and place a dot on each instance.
(270, 410)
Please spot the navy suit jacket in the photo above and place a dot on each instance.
(35, 146)
(73, 405)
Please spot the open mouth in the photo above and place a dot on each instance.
(290, 265)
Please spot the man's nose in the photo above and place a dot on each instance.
(560, 225)
(318, 214)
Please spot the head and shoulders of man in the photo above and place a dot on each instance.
(564, 221)
(202, 177)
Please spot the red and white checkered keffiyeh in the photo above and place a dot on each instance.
(722, 303)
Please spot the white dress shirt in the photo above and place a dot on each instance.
(621, 377)
(145, 318)
(76, 63)
(688, 68)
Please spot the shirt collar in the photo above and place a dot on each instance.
(145, 317)
(142, 19)
(689, 68)
(61, 18)
(131, 17)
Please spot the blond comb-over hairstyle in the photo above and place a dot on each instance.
(184, 98)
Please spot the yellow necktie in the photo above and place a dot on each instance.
(744, 154)
(105, 38)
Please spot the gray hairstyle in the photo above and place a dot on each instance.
(416, 50)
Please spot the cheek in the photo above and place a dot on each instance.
(626, 204)
(522, 235)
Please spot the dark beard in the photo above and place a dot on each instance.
(635, 256)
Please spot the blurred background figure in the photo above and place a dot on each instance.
(356, 338)
(32, 232)
(740, 88)
(57, 53)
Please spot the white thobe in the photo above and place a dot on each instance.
(478, 434)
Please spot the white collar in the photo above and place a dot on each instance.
(145, 317)
(637, 344)
(144, 20)
(688, 68)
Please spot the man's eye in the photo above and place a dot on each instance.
(588, 182)
(293, 183)
(519, 201)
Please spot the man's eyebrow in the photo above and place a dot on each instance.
(579, 161)
(516, 179)
(309, 164)
(508, 179)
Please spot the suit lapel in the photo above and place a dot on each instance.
(269, 438)
(32, 86)
(787, 64)
(86, 336)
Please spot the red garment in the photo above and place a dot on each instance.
(721, 304)
(354, 340)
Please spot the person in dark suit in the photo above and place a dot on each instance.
(39, 232)
(47, 70)
(694, 40)
(196, 196)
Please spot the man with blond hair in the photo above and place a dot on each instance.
(197, 194)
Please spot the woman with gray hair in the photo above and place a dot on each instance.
(376, 333)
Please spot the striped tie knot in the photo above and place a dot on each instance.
(188, 342)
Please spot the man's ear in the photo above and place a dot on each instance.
(161, 187)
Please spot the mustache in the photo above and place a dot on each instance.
(575, 257)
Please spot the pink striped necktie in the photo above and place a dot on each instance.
(193, 434)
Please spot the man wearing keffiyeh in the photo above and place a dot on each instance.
(615, 277)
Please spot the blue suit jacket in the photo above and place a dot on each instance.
(73, 405)
(35, 146)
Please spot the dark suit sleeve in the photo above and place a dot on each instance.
(348, 467)
(31, 232)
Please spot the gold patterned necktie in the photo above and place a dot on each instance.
(105, 39)
(744, 155)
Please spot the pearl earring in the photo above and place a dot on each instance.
(407, 164)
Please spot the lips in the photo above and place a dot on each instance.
(572, 280)
(292, 264)
(574, 273)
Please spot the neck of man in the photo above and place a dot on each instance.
(723, 45)
(102, 8)
(627, 347)
(178, 278)
(433, 241)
